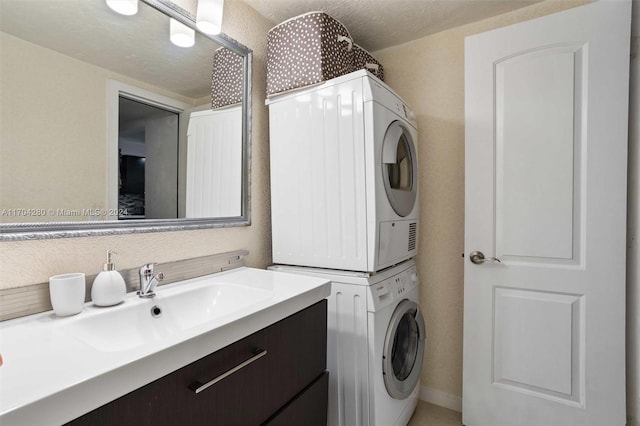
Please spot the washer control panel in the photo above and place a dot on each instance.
(396, 287)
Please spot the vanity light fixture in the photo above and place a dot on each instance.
(209, 16)
(124, 7)
(180, 34)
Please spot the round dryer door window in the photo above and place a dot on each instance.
(399, 168)
(403, 350)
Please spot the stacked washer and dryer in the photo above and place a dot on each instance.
(344, 206)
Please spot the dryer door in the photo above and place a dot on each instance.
(403, 350)
(399, 168)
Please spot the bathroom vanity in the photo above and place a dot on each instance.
(275, 376)
(259, 335)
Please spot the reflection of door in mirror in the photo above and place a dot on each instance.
(146, 125)
(148, 165)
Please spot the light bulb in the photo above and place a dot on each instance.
(180, 34)
(124, 7)
(209, 16)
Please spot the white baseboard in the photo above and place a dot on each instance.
(443, 399)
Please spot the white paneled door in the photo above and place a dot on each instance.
(545, 207)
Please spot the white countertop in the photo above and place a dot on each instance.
(51, 376)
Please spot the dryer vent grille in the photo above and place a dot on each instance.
(413, 227)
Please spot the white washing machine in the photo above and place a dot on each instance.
(344, 177)
(375, 347)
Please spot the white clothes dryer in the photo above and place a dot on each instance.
(344, 175)
(375, 344)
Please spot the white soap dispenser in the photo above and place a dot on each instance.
(109, 287)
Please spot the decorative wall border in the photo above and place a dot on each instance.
(33, 299)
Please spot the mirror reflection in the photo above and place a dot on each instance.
(147, 135)
(104, 118)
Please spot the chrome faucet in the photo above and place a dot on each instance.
(148, 281)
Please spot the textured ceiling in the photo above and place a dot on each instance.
(136, 46)
(139, 47)
(376, 24)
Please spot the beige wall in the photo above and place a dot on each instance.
(429, 74)
(30, 262)
(45, 130)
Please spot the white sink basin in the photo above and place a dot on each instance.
(81, 362)
(175, 309)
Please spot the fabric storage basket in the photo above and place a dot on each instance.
(364, 60)
(305, 50)
(226, 78)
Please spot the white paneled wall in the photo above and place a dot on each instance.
(214, 163)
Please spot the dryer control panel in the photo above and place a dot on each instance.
(385, 96)
(403, 111)
(394, 288)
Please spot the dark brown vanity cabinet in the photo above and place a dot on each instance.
(281, 380)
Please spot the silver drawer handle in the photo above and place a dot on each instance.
(198, 387)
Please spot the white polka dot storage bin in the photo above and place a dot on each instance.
(362, 59)
(307, 49)
(226, 78)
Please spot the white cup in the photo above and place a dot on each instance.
(67, 293)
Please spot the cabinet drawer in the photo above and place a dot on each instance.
(308, 408)
(295, 356)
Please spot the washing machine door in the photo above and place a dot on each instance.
(403, 350)
(399, 168)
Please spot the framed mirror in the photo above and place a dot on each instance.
(107, 127)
